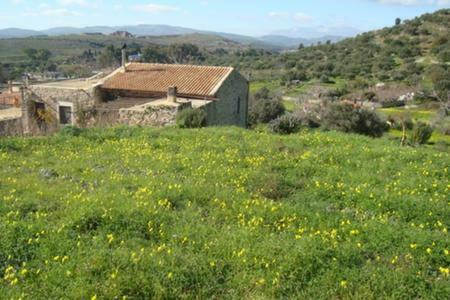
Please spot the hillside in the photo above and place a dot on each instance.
(64, 47)
(223, 213)
(400, 53)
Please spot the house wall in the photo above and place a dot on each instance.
(51, 96)
(225, 111)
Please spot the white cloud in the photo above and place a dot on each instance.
(155, 8)
(279, 14)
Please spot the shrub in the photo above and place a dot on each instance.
(310, 118)
(397, 122)
(370, 96)
(286, 124)
(324, 79)
(191, 118)
(349, 118)
(265, 110)
(421, 133)
(392, 103)
(71, 131)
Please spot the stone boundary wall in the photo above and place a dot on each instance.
(152, 116)
(11, 127)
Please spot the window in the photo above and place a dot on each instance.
(238, 110)
(65, 113)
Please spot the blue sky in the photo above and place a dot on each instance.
(251, 17)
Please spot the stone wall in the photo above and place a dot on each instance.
(225, 111)
(11, 127)
(152, 116)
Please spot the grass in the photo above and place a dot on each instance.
(290, 105)
(223, 213)
(272, 85)
(418, 115)
(337, 83)
(437, 137)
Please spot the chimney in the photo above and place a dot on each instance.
(10, 86)
(172, 94)
(124, 57)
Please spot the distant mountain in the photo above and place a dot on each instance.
(275, 42)
(17, 32)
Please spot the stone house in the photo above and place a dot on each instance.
(141, 94)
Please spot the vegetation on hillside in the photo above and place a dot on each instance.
(399, 53)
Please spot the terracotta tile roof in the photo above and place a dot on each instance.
(191, 81)
(10, 98)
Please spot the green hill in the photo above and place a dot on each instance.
(132, 213)
(398, 53)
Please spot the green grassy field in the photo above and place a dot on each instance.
(131, 213)
(272, 85)
(418, 115)
(338, 83)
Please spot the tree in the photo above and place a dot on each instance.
(184, 53)
(398, 21)
(38, 56)
(2, 75)
(154, 54)
(43, 55)
(301, 46)
(30, 53)
(109, 57)
(440, 78)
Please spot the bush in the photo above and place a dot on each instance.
(191, 118)
(397, 122)
(310, 118)
(265, 110)
(286, 124)
(349, 118)
(421, 133)
(324, 79)
(370, 96)
(71, 131)
(392, 103)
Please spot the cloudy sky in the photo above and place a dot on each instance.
(251, 17)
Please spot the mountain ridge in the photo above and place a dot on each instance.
(265, 41)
